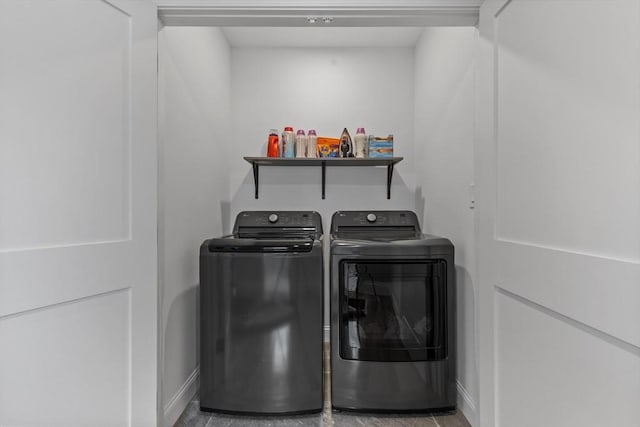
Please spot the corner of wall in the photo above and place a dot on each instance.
(444, 123)
(180, 400)
(193, 111)
(466, 404)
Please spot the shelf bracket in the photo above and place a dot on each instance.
(324, 176)
(389, 177)
(255, 177)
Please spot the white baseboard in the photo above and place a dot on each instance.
(181, 399)
(327, 333)
(466, 404)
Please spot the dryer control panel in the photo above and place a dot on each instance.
(370, 221)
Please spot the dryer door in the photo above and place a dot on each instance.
(393, 310)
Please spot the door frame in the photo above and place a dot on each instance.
(485, 179)
(291, 13)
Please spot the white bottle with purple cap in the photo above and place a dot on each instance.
(312, 144)
(301, 144)
(360, 143)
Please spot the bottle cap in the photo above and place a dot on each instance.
(360, 130)
(300, 132)
(312, 131)
(288, 129)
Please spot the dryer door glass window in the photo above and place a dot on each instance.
(393, 311)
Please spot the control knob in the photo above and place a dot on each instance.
(273, 218)
(372, 217)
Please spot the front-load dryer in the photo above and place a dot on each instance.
(392, 314)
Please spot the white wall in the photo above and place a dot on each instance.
(559, 212)
(444, 129)
(195, 129)
(326, 89)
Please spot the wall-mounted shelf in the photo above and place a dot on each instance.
(323, 162)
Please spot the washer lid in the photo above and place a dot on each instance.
(260, 245)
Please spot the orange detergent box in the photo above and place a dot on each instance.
(328, 147)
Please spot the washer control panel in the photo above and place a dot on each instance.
(289, 219)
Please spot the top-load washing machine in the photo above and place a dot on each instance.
(392, 314)
(261, 306)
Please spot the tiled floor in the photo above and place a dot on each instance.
(193, 417)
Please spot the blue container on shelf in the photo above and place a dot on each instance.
(380, 146)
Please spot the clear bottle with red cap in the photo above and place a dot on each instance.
(288, 143)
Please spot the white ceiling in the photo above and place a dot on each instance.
(319, 36)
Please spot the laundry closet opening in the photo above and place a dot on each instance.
(221, 89)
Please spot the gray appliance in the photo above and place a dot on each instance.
(392, 314)
(261, 305)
